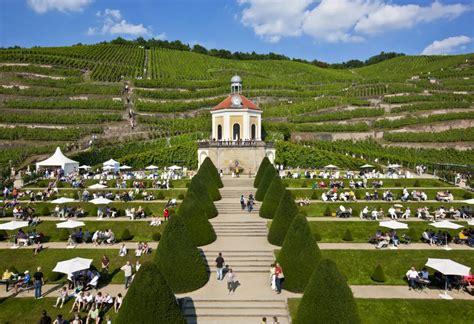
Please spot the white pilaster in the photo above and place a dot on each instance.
(246, 132)
(226, 132)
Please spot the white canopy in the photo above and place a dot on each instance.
(72, 265)
(111, 164)
(101, 201)
(151, 167)
(13, 225)
(70, 224)
(448, 267)
(125, 167)
(97, 186)
(366, 166)
(84, 167)
(58, 159)
(62, 200)
(446, 224)
(174, 167)
(393, 225)
(469, 201)
(331, 166)
(398, 206)
(394, 166)
(470, 222)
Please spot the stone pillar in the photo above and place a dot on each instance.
(226, 131)
(246, 130)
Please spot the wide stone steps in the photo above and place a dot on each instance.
(233, 311)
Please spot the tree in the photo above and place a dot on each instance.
(267, 179)
(149, 299)
(348, 236)
(286, 211)
(261, 170)
(196, 220)
(198, 186)
(211, 187)
(179, 259)
(210, 170)
(327, 298)
(299, 255)
(378, 274)
(272, 198)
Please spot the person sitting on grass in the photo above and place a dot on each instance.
(118, 302)
(59, 320)
(70, 242)
(93, 315)
(77, 319)
(108, 302)
(99, 300)
(88, 301)
(78, 303)
(123, 250)
(63, 296)
(384, 240)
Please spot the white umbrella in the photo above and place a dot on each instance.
(447, 225)
(393, 224)
(469, 201)
(151, 167)
(62, 200)
(398, 206)
(13, 225)
(70, 224)
(175, 167)
(125, 167)
(108, 167)
(366, 166)
(97, 186)
(448, 267)
(100, 201)
(470, 222)
(72, 265)
(394, 166)
(84, 167)
(331, 166)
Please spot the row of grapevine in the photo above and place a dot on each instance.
(452, 135)
(63, 104)
(46, 134)
(397, 123)
(338, 115)
(58, 118)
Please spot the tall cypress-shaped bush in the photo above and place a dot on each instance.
(196, 220)
(179, 260)
(199, 188)
(327, 298)
(286, 211)
(210, 169)
(267, 179)
(272, 199)
(211, 187)
(299, 255)
(261, 171)
(149, 299)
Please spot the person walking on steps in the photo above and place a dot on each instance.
(38, 279)
(220, 266)
(279, 277)
(250, 203)
(230, 278)
(242, 202)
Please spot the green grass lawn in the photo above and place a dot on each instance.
(358, 265)
(141, 230)
(375, 311)
(25, 260)
(28, 310)
(389, 183)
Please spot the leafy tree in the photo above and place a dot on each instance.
(299, 255)
(267, 179)
(261, 171)
(150, 299)
(179, 260)
(272, 198)
(196, 220)
(284, 215)
(327, 298)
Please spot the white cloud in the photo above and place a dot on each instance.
(42, 6)
(113, 24)
(161, 36)
(338, 20)
(446, 46)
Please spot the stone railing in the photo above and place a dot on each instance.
(239, 143)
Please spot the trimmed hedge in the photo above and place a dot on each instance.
(126, 235)
(272, 198)
(378, 275)
(348, 236)
(299, 255)
(286, 211)
(64, 235)
(327, 298)
(196, 220)
(267, 179)
(261, 171)
(208, 168)
(199, 188)
(150, 299)
(179, 260)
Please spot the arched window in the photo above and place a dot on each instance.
(253, 132)
(219, 132)
(236, 131)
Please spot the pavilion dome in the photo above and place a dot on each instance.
(236, 79)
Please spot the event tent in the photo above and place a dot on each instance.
(111, 164)
(59, 160)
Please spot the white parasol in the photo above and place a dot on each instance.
(13, 225)
(393, 224)
(62, 200)
(151, 167)
(446, 225)
(125, 167)
(448, 267)
(70, 224)
(331, 166)
(366, 166)
(100, 201)
(97, 186)
(72, 265)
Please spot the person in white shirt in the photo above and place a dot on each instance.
(412, 276)
(407, 213)
(128, 271)
(123, 250)
(392, 213)
(364, 213)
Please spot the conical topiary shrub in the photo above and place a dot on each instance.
(149, 299)
(210, 169)
(413, 234)
(211, 186)
(268, 176)
(378, 275)
(272, 199)
(299, 255)
(261, 171)
(327, 211)
(179, 260)
(196, 220)
(199, 188)
(327, 298)
(286, 211)
(348, 236)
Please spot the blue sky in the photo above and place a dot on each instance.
(327, 30)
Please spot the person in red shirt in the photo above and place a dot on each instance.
(166, 214)
(279, 277)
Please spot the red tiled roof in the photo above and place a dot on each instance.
(227, 103)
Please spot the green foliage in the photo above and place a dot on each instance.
(327, 211)
(339, 115)
(401, 122)
(160, 195)
(299, 255)
(64, 234)
(199, 186)
(126, 235)
(46, 134)
(181, 196)
(261, 171)
(304, 184)
(317, 235)
(179, 259)
(268, 176)
(102, 104)
(327, 298)
(196, 220)
(284, 215)
(348, 236)
(467, 195)
(208, 169)
(413, 234)
(150, 299)
(417, 183)
(378, 275)
(156, 236)
(272, 198)
(177, 106)
(3, 235)
(451, 135)
(45, 211)
(58, 118)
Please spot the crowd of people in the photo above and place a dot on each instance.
(419, 280)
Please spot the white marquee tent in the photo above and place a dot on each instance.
(59, 160)
(111, 165)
